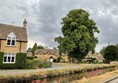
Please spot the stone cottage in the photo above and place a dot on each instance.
(13, 39)
(45, 54)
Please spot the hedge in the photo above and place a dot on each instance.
(34, 64)
(19, 64)
(30, 57)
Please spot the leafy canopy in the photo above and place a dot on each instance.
(78, 34)
(102, 51)
(40, 47)
(111, 53)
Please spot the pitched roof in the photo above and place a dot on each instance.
(20, 32)
(45, 51)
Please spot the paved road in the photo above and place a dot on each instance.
(113, 80)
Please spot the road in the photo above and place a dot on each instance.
(113, 80)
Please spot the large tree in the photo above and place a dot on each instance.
(78, 34)
(102, 51)
(111, 53)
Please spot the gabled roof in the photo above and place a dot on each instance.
(45, 51)
(20, 32)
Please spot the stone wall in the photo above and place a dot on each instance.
(13, 49)
(45, 56)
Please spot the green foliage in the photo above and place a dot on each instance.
(1, 58)
(111, 53)
(34, 48)
(59, 59)
(30, 57)
(55, 60)
(102, 51)
(19, 64)
(33, 64)
(40, 47)
(78, 34)
(21, 60)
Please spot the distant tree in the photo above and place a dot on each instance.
(111, 53)
(40, 47)
(102, 51)
(78, 34)
(117, 45)
(34, 48)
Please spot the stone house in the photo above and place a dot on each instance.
(45, 54)
(13, 39)
(29, 53)
(97, 56)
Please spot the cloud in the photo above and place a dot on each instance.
(44, 18)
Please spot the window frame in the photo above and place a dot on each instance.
(11, 55)
(10, 38)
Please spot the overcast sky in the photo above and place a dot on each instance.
(44, 18)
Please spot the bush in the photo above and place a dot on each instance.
(46, 64)
(33, 64)
(21, 60)
(19, 64)
(59, 59)
(30, 57)
(55, 60)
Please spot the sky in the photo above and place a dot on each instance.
(44, 18)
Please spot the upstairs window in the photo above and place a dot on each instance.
(11, 39)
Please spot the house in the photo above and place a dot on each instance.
(13, 39)
(96, 56)
(29, 52)
(45, 54)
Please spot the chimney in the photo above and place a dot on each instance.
(25, 23)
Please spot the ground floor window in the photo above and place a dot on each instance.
(9, 58)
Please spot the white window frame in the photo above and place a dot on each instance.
(9, 55)
(11, 37)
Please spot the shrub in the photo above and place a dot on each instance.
(55, 60)
(59, 59)
(45, 64)
(30, 57)
(21, 60)
(1, 58)
(19, 64)
(33, 64)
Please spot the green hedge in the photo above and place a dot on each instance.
(19, 64)
(34, 64)
(30, 57)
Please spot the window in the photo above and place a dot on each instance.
(11, 39)
(9, 58)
